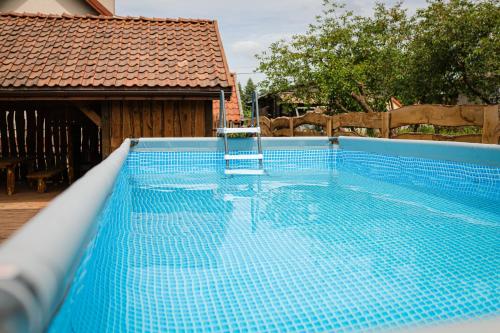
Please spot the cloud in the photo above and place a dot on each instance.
(246, 46)
(247, 26)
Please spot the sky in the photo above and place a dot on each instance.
(247, 27)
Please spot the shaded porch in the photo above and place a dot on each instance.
(55, 140)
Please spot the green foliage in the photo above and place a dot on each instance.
(246, 97)
(354, 63)
(456, 50)
(345, 61)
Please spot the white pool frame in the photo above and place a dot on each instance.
(37, 263)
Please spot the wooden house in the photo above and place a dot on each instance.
(72, 87)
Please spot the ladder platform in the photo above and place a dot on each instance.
(244, 172)
(234, 130)
(244, 157)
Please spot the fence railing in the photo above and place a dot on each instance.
(485, 118)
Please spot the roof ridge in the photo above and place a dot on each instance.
(104, 18)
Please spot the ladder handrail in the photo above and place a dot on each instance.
(255, 117)
(256, 96)
(253, 110)
(259, 140)
(254, 124)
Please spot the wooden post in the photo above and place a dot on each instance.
(49, 156)
(491, 124)
(56, 134)
(11, 179)
(31, 133)
(40, 155)
(12, 133)
(41, 185)
(20, 131)
(329, 126)
(63, 127)
(105, 130)
(385, 130)
(291, 126)
(3, 134)
(71, 153)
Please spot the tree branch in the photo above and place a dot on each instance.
(361, 98)
(469, 84)
(340, 106)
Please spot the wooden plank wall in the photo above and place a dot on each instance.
(155, 118)
(486, 117)
(49, 135)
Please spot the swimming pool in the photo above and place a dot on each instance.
(364, 235)
(328, 240)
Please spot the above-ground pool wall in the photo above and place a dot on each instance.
(154, 118)
(480, 154)
(458, 168)
(160, 155)
(37, 262)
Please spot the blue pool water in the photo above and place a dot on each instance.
(329, 240)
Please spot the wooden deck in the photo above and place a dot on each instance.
(17, 209)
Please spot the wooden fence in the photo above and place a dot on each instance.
(385, 124)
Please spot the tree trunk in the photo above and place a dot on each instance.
(361, 99)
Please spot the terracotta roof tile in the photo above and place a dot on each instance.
(39, 51)
(233, 111)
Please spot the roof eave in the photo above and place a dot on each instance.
(113, 93)
(99, 7)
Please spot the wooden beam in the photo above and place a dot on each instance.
(385, 129)
(329, 130)
(491, 125)
(99, 7)
(441, 115)
(93, 94)
(92, 115)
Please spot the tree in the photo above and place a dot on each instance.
(456, 50)
(246, 97)
(345, 61)
(355, 63)
(240, 90)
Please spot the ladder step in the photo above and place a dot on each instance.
(244, 172)
(227, 130)
(244, 157)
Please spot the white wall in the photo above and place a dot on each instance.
(109, 4)
(51, 6)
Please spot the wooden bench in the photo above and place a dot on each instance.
(42, 176)
(10, 164)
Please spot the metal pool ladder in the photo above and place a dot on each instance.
(253, 129)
